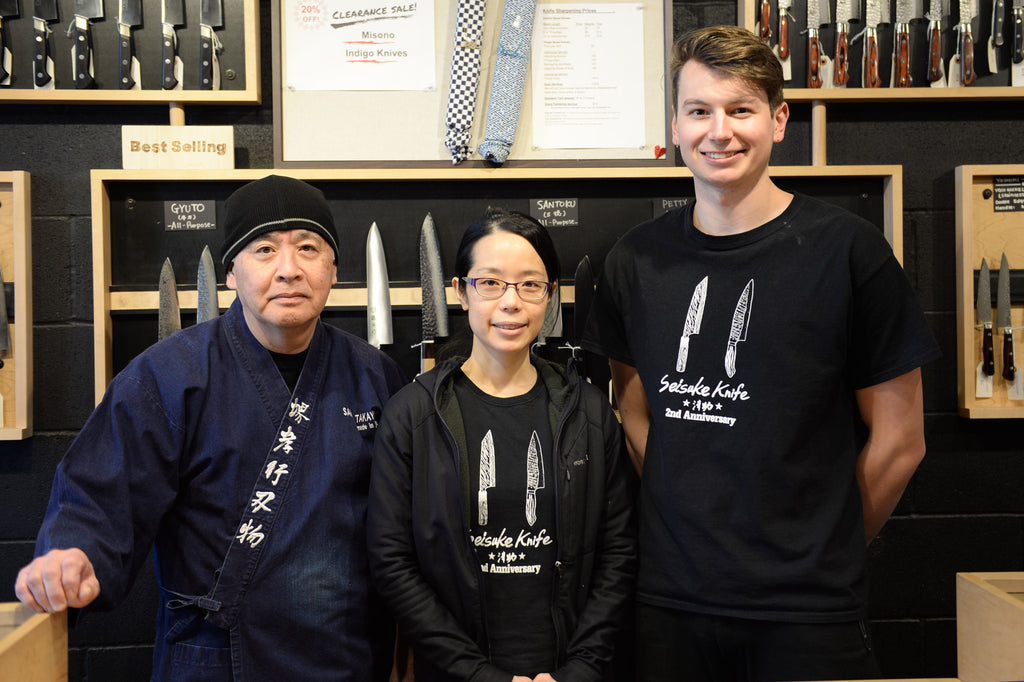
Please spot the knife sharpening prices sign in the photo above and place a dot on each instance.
(359, 45)
(1008, 193)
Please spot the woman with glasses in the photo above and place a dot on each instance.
(499, 518)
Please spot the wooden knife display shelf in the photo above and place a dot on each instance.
(239, 59)
(16, 265)
(130, 242)
(982, 232)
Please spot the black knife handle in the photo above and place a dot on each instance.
(902, 65)
(41, 52)
(125, 57)
(169, 57)
(872, 79)
(207, 57)
(935, 71)
(3, 53)
(966, 50)
(813, 59)
(988, 361)
(998, 22)
(1018, 35)
(83, 54)
(842, 59)
(1008, 369)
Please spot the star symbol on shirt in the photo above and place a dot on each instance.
(491, 555)
(521, 556)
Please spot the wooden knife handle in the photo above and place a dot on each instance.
(765, 14)
(83, 54)
(967, 75)
(902, 65)
(988, 362)
(934, 51)
(842, 60)
(169, 57)
(783, 34)
(871, 77)
(1008, 369)
(813, 59)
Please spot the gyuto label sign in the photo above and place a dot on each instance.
(190, 215)
(1008, 193)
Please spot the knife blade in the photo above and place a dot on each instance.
(8, 8)
(211, 16)
(983, 307)
(817, 61)
(906, 10)
(172, 15)
(207, 305)
(870, 77)
(1017, 49)
(938, 11)
(534, 477)
(435, 305)
(739, 327)
(488, 479)
(378, 295)
(81, 49)
(5, 327)
(129, 15)
(782, 47)
(691, 326)
(964, 58)
(168, 312)
(846, 11)
(1003, 320)
(552, 325)
(43, 12)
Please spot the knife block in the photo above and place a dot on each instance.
(16, 265)
(983, 232)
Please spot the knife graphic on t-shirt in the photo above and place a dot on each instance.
(534, 478)
(738, 330)
(692, 324)
(487, 477)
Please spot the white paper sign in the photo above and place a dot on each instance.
(588, 76)
(359, 44)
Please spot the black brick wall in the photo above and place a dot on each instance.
(964, 510)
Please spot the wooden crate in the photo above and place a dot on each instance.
(990, 626)
(33, 646)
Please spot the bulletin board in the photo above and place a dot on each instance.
(350, 127)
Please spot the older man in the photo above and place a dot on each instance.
(239, 449)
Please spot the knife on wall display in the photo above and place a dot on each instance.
(81, 49)
(1017, 46)
(938, 15)
(435, 304)
(983, 314)
(207, 305)
(847, 11)
(961, 66)
(129, 15)
(691, 325)
(870, 76)
(763, 26)
(8, 8)
(997, 37)
(552, 325)
(5, 331)
(172, 15)
(378, 295)
(211, 16)
(819, 65)
(782, 47)
(1014, 382)
(906, 10)
(168, 311)
(43, 12)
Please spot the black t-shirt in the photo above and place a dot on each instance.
(513, 521)
(750, 348)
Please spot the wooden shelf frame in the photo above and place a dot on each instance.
(16, 263)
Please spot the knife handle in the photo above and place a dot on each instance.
(871, 77)
(169, 57)
(988, 362)
(935, 71)
(208, 65)
(813, 59)
(1018, 35)
(4, 75)
(765, 15)
(902, 65)
(1009, 371)
(83, 54)
(41, 53)
(842, 60)
(125, 57)
(783, 34)
(967, 75)
(998, 22)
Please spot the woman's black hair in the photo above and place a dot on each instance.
(498, 219)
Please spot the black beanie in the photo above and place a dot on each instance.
(275, 203)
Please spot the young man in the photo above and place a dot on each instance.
(240, 450)
(765, 350)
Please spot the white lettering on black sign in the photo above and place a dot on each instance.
(556, 212)
(190, 215)
(1008, 193)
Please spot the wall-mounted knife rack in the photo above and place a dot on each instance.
(982, 232)
(240, 61)
(16, 265)
(130, 242)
